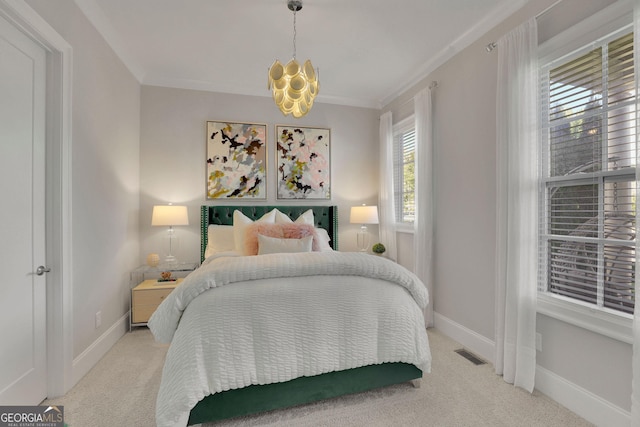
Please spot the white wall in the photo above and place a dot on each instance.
(173, 157)
(105, 178)
(464, 102)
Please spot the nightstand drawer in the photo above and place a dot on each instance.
(150, 297)
(142, 313)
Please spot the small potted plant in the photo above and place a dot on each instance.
(378, 249)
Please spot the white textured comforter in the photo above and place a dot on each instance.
(239, 321)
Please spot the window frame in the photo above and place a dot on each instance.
(614, 20)
(402, 127)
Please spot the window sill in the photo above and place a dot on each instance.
(612, 325)
(404, 228)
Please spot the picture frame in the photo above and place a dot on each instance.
(236, 160)
(303, 162)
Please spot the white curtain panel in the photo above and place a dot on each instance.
(635, 382)
(517, 175)
(423, 225)
(386, 202)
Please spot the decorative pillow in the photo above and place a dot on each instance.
(322, 242)
(273, 245)
(304, 218)
(283, 231)
(220, 239)
(241, 221)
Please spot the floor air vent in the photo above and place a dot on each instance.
(470, 357)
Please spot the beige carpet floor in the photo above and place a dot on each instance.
(121, 391)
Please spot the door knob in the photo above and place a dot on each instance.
(42, 269)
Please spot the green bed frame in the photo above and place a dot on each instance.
(261, 398)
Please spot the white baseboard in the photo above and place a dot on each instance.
(92, 355)
(471, 340)
(589, 406)
(581, 401)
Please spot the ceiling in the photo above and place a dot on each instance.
(367, 51)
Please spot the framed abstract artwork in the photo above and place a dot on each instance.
(236, 160)
(303, 162)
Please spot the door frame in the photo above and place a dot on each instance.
(59, 304)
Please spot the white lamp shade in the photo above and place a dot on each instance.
(170, 215)
(364, 215)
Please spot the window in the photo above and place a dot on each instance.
(588, 197)
(404, 150)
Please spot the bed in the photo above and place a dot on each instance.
(252, 333)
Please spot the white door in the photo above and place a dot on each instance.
(23, 375)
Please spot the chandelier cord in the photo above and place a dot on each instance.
(294, 34)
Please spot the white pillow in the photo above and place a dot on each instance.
(323, 240)
(220, 239)
(304, 218)
(241, 221)
(308, 218)
(273, 245)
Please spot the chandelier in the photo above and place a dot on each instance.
(294, 86)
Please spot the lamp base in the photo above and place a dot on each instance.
(174, 244)
(362, 239)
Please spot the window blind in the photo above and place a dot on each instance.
(588, 227)
(404, 171)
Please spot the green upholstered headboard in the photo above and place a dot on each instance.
(325, 217)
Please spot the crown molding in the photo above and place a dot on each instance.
(499, 14)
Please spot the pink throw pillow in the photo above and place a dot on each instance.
(280, 231)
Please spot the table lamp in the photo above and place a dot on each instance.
(170, 215)
(363, 215)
